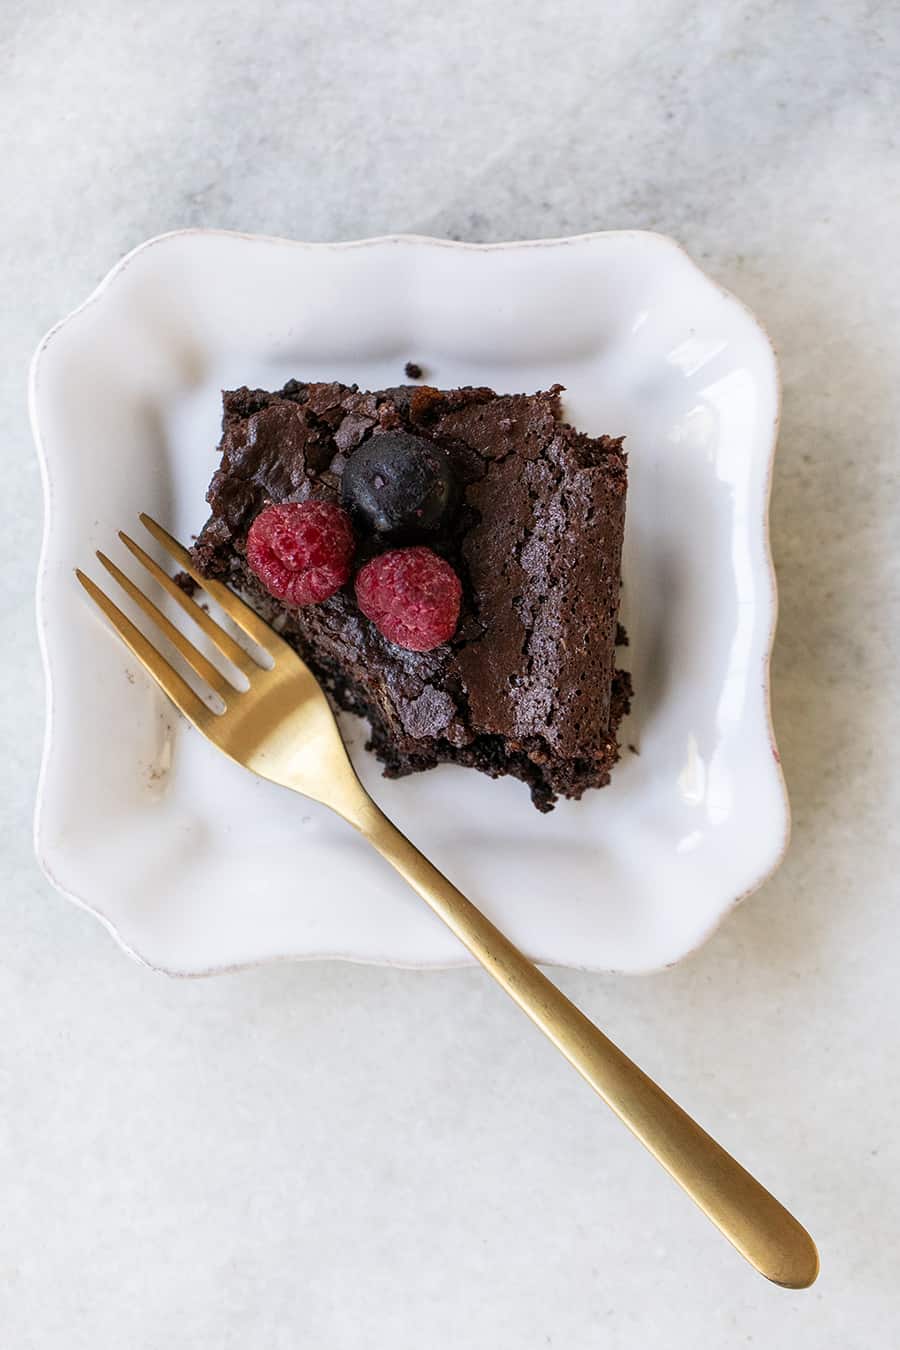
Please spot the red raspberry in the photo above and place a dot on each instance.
(301, 551)
(412, 596)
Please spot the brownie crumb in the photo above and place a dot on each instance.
(185, 582)
(633, 748)
(413, 370)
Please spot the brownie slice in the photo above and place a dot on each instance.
(528, 684)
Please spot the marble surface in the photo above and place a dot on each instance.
(345, 1157)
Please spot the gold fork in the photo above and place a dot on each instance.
(282, 728)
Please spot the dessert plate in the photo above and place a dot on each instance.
(198, 867)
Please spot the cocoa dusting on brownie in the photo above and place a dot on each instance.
(527, 686)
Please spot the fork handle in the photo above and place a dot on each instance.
(750, 1217)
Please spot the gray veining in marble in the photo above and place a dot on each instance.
(342, 1157)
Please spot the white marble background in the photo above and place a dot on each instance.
(342, 1157)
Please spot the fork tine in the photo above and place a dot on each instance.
(195, 659)
(231, 650)
(169, 681)
(235, 608)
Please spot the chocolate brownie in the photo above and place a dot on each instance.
(527, 685)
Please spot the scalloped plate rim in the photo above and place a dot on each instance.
(769, 867)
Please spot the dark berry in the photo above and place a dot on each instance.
(412, 596)
(399, 485)
(301, 551)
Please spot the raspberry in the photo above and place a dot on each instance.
(412, 596)
(301, 551)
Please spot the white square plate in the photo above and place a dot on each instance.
(195, 865)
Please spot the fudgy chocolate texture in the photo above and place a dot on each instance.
(528, 684)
